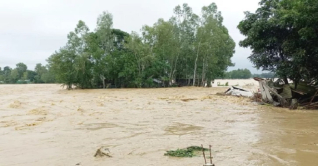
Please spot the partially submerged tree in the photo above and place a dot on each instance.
(187, 46)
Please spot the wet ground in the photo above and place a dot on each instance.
(46, 125)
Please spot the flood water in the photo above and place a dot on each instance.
(47, 125)
(288, 137)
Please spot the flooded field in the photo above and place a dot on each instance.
(46, 125)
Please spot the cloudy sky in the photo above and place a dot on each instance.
(30, 31)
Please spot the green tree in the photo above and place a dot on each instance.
(6, 74)
(29, 75)
(184, 47)
(265, 75)
(1, 75)
(48, 77)
(21, 68)
(105, 40)
(281, 34)
(217, 47)
(238, 74)
(39, 70)
(14, 76)
(300, 18)
(142, 58)
(62, 63)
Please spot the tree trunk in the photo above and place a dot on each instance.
(138, 63)
(174, 68)
(103, 80)
(285, 80)
(203, 72)
(209, 82)
(195, 65)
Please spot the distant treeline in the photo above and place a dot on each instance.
(20, 74)
(41, 74)
(245, 74)
(265, 75)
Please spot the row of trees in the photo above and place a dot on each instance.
(265, 75)
(283, 35)
(41, 74)
(238, 74)
(185, 47)
(21, 74)
(245, 74)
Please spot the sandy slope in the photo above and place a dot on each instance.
(46, 125)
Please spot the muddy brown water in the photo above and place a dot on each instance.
(46, 125)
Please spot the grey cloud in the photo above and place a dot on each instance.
(32, 30)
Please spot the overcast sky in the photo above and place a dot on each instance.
(31, 30)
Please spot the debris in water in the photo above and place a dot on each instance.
(188, 99)
(187, 152)
(287, 96)
(205, 163)
(237, 91)
(102, 152)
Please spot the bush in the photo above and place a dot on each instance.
(219, 84)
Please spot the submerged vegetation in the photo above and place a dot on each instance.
(187, 152)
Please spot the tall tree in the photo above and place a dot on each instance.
(14, 76)
(105, 40)
(281, 34)
(184, 47)
(21, 68)
(6, 74)
(1, 76)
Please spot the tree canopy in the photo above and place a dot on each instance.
(238, 74)
(283, 35)
(265, 75)
(187, 46)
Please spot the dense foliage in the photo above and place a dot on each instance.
(187, 47)
(21, 74)
(238, 74)
(265, 75)
(283, 35)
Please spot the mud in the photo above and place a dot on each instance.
(47, 125)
